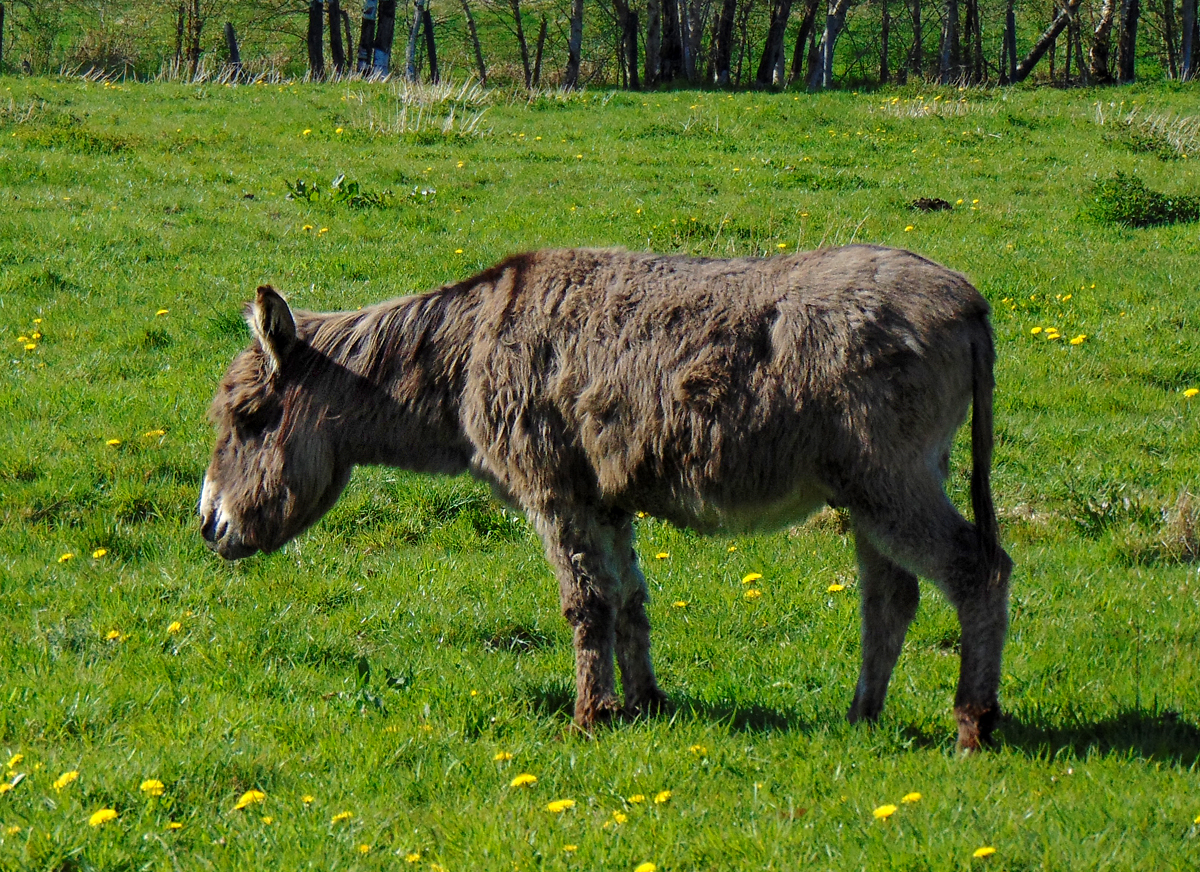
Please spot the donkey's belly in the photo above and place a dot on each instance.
(746, 516)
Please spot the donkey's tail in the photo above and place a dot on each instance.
(983, 381)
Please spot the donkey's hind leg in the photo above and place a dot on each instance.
(642, 695)
(889, 603)
(915, 525)
(580, 547)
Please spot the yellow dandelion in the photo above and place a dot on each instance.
(663, 796)
(911, 798)
(731, 549)
(339, 130)
(341, 816)
(578, 157)
(102, 817)
(570, 849)
(680, 604)
(65, 779)
(113, 635)
(307, 131)
(1197, 820)
(307, 227)
(30, 346)
(645, 867)
(39, 320)
(1078, 340)
(751, 576)
(174, 627)
(414, 857)
(174, 825)
(250, 797)
(14, 829)
(502, 756)
(1035, 331)
(364, 849)
(153, 434)
(560, 805)
(1069, 296)
(958, 202)
(308, 799)
(636, 799)
(620, 817)
(985, 851)
(462, 163)
(322, 230)
(662, 555)
(975, 202)
(152, 787)
(267, 819)
(22, 338)
(14, 760)
(835, 587)
(1191, 392)
(523, 780)
(752, 594)
(884, 812)
(161, 312)
(113, 443)
(5, 788)
(458, 251)
(781, 245)
(698, 750)
(908, 228)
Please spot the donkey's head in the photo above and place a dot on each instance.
(275, 469)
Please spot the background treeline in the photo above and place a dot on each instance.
(625, 43)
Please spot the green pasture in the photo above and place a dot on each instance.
(404, 661)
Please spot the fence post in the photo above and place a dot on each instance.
(316, 32)
(235, 57)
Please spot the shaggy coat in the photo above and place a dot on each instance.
(586, 386)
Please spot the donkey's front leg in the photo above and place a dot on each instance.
(581, 551)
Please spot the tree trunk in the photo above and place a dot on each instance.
(179, 25)
(574, 46)
(1047, 39)
(696, 18)
(949, 67)
(630, 30)
(773, 50)
(1191, 35)
(430, 44)
(802, 39)
(522, 43)
(1127, 40)
(385, 33)
(743, 29)
(537, 58)
(1, 37)
(835, 20)
(972, 60)
(1009, 72)
(337, 54)
(235, 57)
(316, 36)
(671, 48)
(1101, 38)
(1070, 46)
(885, 29)
(348, 36)
(1169, 38)
(653, 42)
(723, 42)
(475, 42)
(195, 28)
(414, 36)
(916, 58)
(366, 36)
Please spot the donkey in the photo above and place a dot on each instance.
(586, 386)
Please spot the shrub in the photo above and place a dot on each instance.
(1125, 199)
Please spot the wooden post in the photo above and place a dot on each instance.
(316, 33)
(366, 36)
(336, 52)
(385, 30)
(430, 45)
(235, 57)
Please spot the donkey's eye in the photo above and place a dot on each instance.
(259, 420)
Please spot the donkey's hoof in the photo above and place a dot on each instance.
(647, 705)
(595, 713)
(975, 725)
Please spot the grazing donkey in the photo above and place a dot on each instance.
(586, 386)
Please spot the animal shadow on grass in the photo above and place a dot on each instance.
(1149, 734)
(558, 701)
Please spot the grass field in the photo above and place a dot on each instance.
(383, 680)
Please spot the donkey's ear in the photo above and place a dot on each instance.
(272, 323)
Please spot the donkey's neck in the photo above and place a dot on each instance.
(392, 378)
